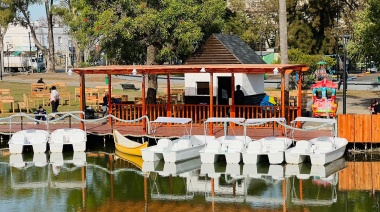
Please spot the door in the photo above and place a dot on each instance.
(224, 83)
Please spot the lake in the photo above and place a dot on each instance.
(104, 180)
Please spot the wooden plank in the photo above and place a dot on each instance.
(360, 176)
(375, 129)
(346, 124)
(362, 128)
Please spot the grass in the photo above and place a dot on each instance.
(18, 89)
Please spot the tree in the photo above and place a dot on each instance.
(22, 7)
(7, 15)
(366, 39)
(173, 26)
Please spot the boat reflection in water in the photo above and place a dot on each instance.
(98, 181)
(66, 172)
(22, 164)
(182, 175)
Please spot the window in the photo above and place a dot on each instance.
(60, 40)
(203, 88)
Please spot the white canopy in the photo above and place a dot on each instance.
(172, 120)
(264, 120)
(235, 120)
(319, 120)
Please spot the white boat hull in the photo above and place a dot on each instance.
(229, 146)
(271, 148)
(320, 151)
(69, 136)
(186, 148)
(36, 138)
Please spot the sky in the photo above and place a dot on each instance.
(36, 12)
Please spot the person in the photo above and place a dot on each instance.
(41, 110)
(40, 81)
(239, 96)
(54, 99)
(321, 73)
(374, 107)
(224, 97)
(105, 104)
(341, 80)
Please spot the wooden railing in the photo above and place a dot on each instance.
(199, 113)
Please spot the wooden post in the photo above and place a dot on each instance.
(283, 99)
(82, 100)
(211, 110)
(233, 112)
(109, 98)
(168, 110)
(299, 99)
(143, 102)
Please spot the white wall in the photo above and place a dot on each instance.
(251, 84)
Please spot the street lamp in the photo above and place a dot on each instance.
(345, 39)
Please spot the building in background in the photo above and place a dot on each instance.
(18, 40)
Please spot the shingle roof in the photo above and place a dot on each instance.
(239, 49)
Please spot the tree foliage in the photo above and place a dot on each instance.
(366, 37)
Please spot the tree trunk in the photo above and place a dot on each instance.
(49, 16)
(284, 43)
(152, 78)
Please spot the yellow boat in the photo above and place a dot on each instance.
(126, 145)
(135, 160)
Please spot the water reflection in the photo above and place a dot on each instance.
(100, 181)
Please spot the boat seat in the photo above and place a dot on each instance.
(254, 147)
(280, 144)
(58, 137)
(302, 146)
(182, 144)
(38, 137)
(323, 146)
(233, 146)
(164, 144)
(212, 146)
(76, 137)
(18, 138)
(196, 141)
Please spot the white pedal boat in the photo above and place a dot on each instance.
(269, 147)
(228, 146)
(68, 136)
(177, 150)
(320, 150)
(38, 139)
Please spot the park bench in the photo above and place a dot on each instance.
(129, 86)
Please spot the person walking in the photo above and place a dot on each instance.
(54, 99)
(239, 96)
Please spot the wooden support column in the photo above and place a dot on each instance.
(168, 106)
(211, 110)
(143, 102)
(82, 99)
(283, 94)
(299, 99)
(233, 109)
(283, 99)
(109, 98)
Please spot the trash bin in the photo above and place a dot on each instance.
(106, 80)
(265, 76)
(39, 69)
(378, 79)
